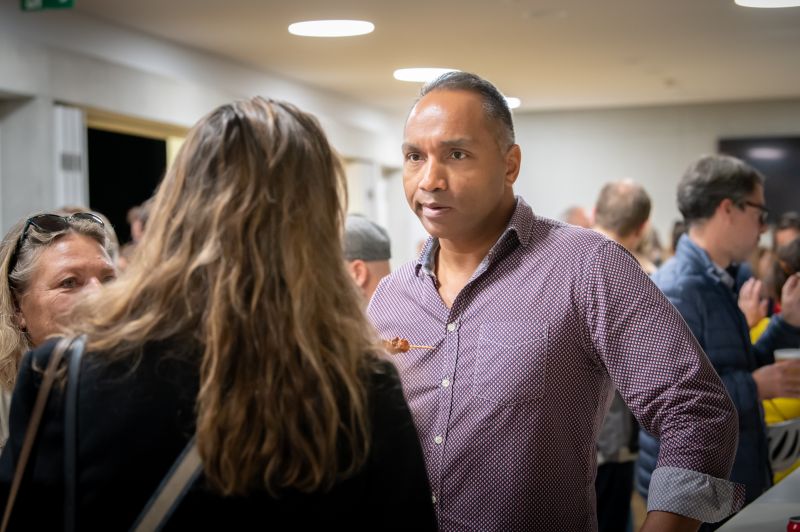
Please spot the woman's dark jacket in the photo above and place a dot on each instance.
(132, 425)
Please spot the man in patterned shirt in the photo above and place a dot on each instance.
(532, 323)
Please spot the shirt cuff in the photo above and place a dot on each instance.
(693, 494)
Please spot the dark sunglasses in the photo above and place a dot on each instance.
(49, 223)
(764, 211)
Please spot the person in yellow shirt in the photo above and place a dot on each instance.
(786, 264)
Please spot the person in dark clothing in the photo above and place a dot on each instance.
(621, 213)
(236, 323)
(722, 201)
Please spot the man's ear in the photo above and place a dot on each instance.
(359, 272)
(726, 206)
(513, 161)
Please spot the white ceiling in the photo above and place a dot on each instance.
(551, 54)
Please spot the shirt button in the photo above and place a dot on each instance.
(445, 383)
(434, 498)
(438, 440)
(452, 326)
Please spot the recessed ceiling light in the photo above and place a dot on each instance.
(331, 28)
(768, 3)
(766, 153)
(512, 102)
(420, 75)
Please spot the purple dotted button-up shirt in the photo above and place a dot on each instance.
(509, 401)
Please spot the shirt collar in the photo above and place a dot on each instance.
(724, 276)
(520, 227)
(687, 245)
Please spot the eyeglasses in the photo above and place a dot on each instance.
(49, 223)
(764, 211)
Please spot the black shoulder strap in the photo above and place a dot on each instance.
(75, 355)
(170, 492)
(32, 429)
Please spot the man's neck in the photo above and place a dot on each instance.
(628, 242)
(467, 251)
(709, 241)
(455, 266)
(457, 259)
(460, 259)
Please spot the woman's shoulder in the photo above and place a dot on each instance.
(41, 353)
(383, 378)
(387, 404)
(381, 371)
(33, 364)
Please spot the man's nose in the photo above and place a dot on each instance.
(434, 176)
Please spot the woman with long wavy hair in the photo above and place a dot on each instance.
(235, 323)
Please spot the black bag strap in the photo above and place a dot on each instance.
(32, 429)
(75, 352)
(171, 491)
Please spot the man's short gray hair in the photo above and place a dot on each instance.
(494, 103)
(622, 207)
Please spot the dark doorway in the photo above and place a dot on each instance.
(779, 160)
(124, 170)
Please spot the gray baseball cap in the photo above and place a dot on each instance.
(365, 240)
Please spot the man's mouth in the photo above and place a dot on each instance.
(434, 210)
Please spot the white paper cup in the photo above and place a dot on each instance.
(787, 354)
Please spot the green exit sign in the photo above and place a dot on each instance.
(38, 5)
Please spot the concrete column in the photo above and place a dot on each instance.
(27, 181)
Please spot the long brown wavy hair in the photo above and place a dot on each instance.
(242, 257)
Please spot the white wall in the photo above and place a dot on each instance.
(77, 58)
(67, 57)
(395, 215)
(27, 158)
(567, 156)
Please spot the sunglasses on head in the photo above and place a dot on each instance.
(49, 223)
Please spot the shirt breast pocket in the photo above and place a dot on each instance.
(511, 363)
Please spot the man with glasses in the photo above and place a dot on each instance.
(722, 202)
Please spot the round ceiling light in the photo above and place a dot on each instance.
(420, 75)
(512, 102)
(331, 28)
(768, 3)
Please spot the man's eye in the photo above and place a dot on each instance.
(108, 278)
(413, 157)
(458, 155)
(69, 282)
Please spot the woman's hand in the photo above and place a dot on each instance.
(752, 305)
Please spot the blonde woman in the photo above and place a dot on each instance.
(48, 262)
(236, 322)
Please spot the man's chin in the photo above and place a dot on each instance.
(436, 229)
